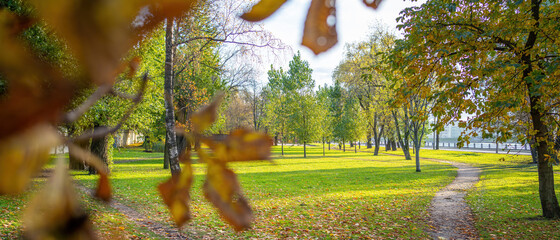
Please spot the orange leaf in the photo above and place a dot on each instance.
(222, 189)
(241, 145)
(55, 213)
(319, 33)
(103, 190)
(262, 10)
(176, 195)
(22, 156)
(205, 117)
(372, 3)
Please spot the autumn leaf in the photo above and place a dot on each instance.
(55, 213)
(372, 3)
(205, 117)
(100, 38)
(22, 156)
(222, 189)
(36, 92)
(262, 10)
(176, 195)
(241, 145)
(103, 190)
(319, 33)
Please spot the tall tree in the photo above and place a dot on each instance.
(170, 137)
(301, 99)
(490, 59)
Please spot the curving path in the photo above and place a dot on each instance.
(450, 216)
(163, 231)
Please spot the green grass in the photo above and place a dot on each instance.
(108, 222)
(342, 195)
(506, 200)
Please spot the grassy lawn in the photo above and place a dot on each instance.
(109, 223)
(342, 195)
(506, 201)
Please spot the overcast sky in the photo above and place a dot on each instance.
(354, 20)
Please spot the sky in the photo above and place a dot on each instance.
(354, 20)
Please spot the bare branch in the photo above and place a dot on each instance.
(103, 131)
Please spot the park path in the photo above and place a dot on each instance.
(139, 219)
(450, 216)
(164, 232)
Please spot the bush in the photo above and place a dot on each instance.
(158, 146)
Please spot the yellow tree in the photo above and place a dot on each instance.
(490, 59)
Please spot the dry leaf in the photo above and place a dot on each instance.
(241, 145)
(55, 213)
(319, 33)
(103, 190)
(22, 156)
(372, 3)
(205, 117)
(262, 10)
(176, 195)
(222, 189)
(36, 92)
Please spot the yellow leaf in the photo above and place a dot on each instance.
(176, 195)
(22, 156)
(319, 33)
(222, 189)
(241, 145)
(103, 190)
(262, 10)
(55, 213)
(205, 117)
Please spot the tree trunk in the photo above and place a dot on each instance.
(329, 145)
(75, 163)
(282, 141)
(549, 202)
(437, 140)
(355, 150)
(343, 145)
(393, 145)
(376, 149)
(387, 144)
(170, 136)
(166, 157)
(304, 152)
(100, 148)
(323, 147)
(369, 140)
(417, 158)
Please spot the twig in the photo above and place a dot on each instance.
(93, 98)
(103, 131)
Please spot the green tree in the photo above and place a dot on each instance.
(301, 101)
(490, 59)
